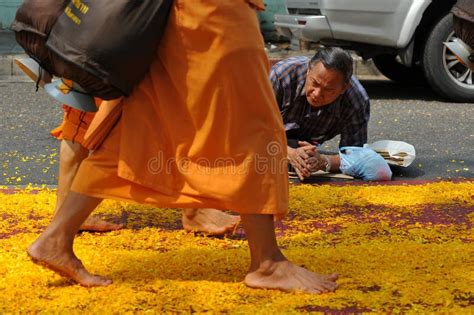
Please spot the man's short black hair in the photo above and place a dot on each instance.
(334, 58)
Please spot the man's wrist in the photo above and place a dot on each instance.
(326, 163)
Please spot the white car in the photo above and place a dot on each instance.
(403, 37)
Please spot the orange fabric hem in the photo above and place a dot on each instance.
(103, 195)
(101, 182)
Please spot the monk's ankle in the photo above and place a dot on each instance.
(267, 264)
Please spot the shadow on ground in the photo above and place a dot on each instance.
(388, 90)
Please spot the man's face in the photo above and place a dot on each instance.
(323, 85)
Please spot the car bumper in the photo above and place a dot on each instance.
(311, 28)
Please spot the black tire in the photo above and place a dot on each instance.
(389, 66)
(447, 81)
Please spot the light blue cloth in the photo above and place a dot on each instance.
(364, 163)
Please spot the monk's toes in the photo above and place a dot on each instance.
(230, 227)
(94, 281)
(330, 286)
(102, 281)
(333, 277)
(312, 291)
(115, 227)
(30, 251)
(101, 226)
(219, 231)
(226, 229)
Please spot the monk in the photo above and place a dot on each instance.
(202, 129)
(73, 151)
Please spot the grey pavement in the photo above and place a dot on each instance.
(441, 132)
(28, 154)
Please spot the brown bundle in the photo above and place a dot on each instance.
(32, 25)
(104, 46)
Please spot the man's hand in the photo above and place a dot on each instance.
(309, 148)
(315, 162)
(299, 158)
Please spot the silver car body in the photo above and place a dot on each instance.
(389, 23)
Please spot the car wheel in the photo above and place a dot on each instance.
(390, 67)
(444, 73)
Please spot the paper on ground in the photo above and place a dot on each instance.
(323, 174)
(394, 152)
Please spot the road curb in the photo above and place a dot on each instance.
(10, 73)
(361, 67)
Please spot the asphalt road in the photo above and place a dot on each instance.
(441, 132)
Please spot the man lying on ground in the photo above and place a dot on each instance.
(319, 98)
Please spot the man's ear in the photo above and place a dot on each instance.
(346, 86)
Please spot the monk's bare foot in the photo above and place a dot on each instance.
(285, 276)
(209, 221)
(46, 253)
(96, 224)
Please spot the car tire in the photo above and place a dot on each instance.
(389, 66)
(444, 73)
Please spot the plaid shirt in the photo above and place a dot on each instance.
(347, 116)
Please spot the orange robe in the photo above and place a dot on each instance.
(203, 128)
(74, 125)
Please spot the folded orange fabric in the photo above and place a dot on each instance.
(105, 119)
(74, 125)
